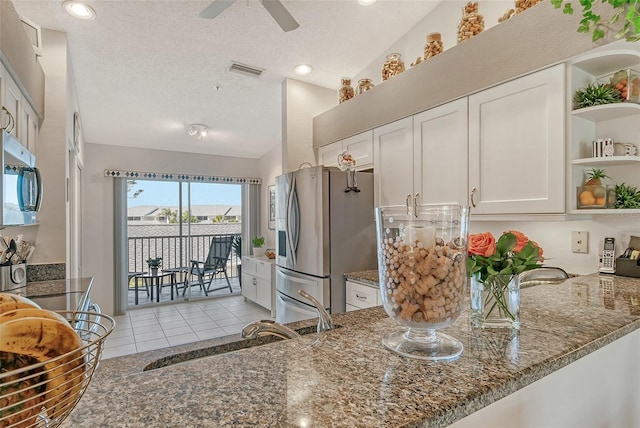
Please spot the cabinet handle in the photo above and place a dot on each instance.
(415, 204)
(408, 202)
(359, 297)
(254, 281)
(473, 203)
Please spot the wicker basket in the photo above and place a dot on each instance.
(79, 367)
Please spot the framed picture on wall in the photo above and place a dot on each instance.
(272, 207)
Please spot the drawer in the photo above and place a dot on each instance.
(362, 296)
(263, 269)
(249, 265)
(352, 308)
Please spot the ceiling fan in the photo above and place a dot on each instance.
(274, 7)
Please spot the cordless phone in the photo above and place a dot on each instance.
(608, 256)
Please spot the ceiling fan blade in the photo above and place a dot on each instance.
(280, 14)
(216, 8)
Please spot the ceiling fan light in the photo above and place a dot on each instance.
(302, 69)
(366, 2)
(79, 10)
(198, 130)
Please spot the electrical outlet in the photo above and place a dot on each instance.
(579, 242)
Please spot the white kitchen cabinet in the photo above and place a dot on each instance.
(423, 159)
(619, 121)
(393, 163)
(362, 296)
(516, 145)
(440, 154)
(29, 127)
(360, 147)
(258, 281)
(26, 122)
(12, 101)
(328, 155)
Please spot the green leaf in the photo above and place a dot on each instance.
(556, 3)
(567, 9)
(583, 28)
(597, 34)
(507, 242)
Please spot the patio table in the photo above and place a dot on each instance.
(157, 280)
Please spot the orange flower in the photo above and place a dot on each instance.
(482, 244)
(521, 240)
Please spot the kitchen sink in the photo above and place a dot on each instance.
(222, 349)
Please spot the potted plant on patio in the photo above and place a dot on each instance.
(154, 263)
(257, 244)
(237, 248)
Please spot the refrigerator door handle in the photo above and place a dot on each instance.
(288, 223)
(296, 223)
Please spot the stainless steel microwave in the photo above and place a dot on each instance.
(21, 184)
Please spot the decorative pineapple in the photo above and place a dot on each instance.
(596, 94)
(593, 192)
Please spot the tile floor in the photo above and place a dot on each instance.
(150, 328)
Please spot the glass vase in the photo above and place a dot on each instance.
(422, 254)
(495, 302)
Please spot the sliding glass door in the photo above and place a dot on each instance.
(180, 240)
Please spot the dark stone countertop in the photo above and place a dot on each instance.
(346, 378)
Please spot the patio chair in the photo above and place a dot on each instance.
(215, 263)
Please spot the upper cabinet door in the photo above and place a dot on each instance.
(328, 155)
(393, 144)
(13, 102)
(361, 149)
(516, 145)
(29, 127)
(440, 154)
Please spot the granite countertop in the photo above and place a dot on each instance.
(369, 277)
(345, 377)
(57, 286)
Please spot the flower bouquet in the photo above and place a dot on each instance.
(494, 267)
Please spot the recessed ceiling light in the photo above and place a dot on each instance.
(79, 10)
(366, 2)
(302, 69)
(198, 130)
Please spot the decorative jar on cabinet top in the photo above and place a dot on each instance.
(346, 91)
(364, 85)
(433, 46)
(392, 66)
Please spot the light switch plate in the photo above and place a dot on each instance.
(580, 242)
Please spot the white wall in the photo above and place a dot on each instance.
(98, 215)
(443, 19)
(270, 168)
(300, 103)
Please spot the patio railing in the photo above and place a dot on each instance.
(176, 251)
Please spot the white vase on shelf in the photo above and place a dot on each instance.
(257, 252)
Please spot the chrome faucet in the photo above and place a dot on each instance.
(268, 327)
(324, 319)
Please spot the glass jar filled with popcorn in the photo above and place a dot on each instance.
(422, 261)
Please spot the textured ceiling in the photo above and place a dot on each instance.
(145, 70)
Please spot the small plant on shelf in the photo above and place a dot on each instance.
(627, 196)
(257, 242)
(596, 94)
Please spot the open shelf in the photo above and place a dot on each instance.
(600, 64)
(610, 161)
(607, 111)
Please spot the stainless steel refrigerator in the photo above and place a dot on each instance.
(325, 227)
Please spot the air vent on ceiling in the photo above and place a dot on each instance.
(247, 70)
